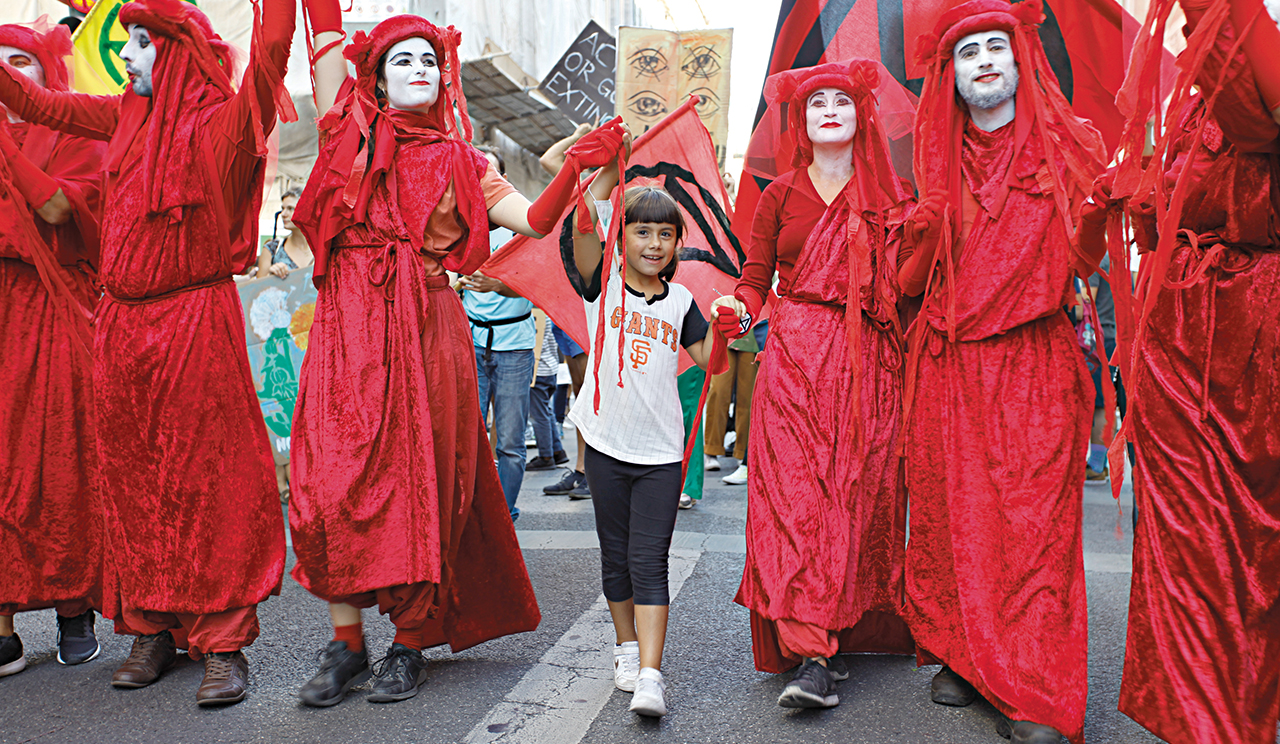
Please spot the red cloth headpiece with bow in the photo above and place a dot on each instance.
(51, 48)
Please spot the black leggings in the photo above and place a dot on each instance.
(635, 516)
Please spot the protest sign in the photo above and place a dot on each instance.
(582, 83)
(278, 314)
(659, 70)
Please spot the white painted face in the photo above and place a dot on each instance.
(986, 74)
(139, 57)
(24, 62)
(831, 117)
(412, 75)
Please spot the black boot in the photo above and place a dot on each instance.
(1026, 732)
(340, 670)
(949, 688)
(398, 674)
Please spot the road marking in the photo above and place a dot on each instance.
(557, 700)
(1108, 562)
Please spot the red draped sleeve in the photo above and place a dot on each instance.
(788, 210)
(91, 117)
(1239, 110)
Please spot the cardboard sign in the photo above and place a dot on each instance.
(278, 314)
(659, 70)
(582, 83)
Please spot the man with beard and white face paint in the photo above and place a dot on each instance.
(1204, 609)
(996, 409)
(51, 525)
(401, 506)
(184, 457)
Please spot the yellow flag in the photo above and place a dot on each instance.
(97, 67)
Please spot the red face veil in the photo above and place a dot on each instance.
(1041, 105)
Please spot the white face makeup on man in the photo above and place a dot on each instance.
(24, 62)
(986, 74)
(412, 75)
(139, 56)
(831, 117)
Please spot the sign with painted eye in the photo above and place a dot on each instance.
(647, 106)
(581, 84)
(661, 69)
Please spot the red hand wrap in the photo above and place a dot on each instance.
(596, 149)
(729, 325)
(34, 184)
(325, 15)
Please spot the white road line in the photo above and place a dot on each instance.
(557, 700)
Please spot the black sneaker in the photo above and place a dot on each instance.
(12, 657)
(340, 670)
(560, 457)
(565, 484)
(580, 491)
(812, 687)
(76, 640)
(540, 463)
(397, 675)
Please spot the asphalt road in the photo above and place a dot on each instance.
(554, 686)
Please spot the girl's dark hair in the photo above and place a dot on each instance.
(654, 205)
(294, 192)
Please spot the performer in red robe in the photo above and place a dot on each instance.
(1204, 612)
(51, 526)
(195, 534)
(827, 514)
(396, 500)
(997, 411)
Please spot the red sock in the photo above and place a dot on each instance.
(411, 638)
(352, 634)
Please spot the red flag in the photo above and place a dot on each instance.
(1087, 42)
(678, 155)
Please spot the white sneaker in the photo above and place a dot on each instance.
(710, 463)
(686, 501)
(737, 477)
(650, 696)
(626, 665)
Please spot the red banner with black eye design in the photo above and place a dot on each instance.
(675, 153)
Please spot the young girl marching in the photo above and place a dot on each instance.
(629, 415)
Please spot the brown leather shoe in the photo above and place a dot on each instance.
(150, 657)
(226, 679)
(949, 688)
(1026, 732)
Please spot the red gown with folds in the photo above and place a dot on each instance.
(826, 523)
(1204, 611)
(50, 510)
(393, 479)
(194, 525)
(995, 453)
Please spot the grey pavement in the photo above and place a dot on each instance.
(554, 685)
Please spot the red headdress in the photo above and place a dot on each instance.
(338, 193)
(1041, 108)
(51, 47)
(190, 77)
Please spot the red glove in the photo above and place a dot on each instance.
(729, 325)
(34, 184)
(325, 15)
(926, 218)
(596, 149)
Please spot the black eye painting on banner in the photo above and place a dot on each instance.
(659, 70)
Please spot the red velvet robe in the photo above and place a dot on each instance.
(995, 456)
(826, 523)
(1201, 658)
(393, 480)
(51, 524)
(194, 523)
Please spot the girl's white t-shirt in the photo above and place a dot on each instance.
(640, 422)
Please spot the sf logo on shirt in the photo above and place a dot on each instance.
(642, 326)
(639, 353)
